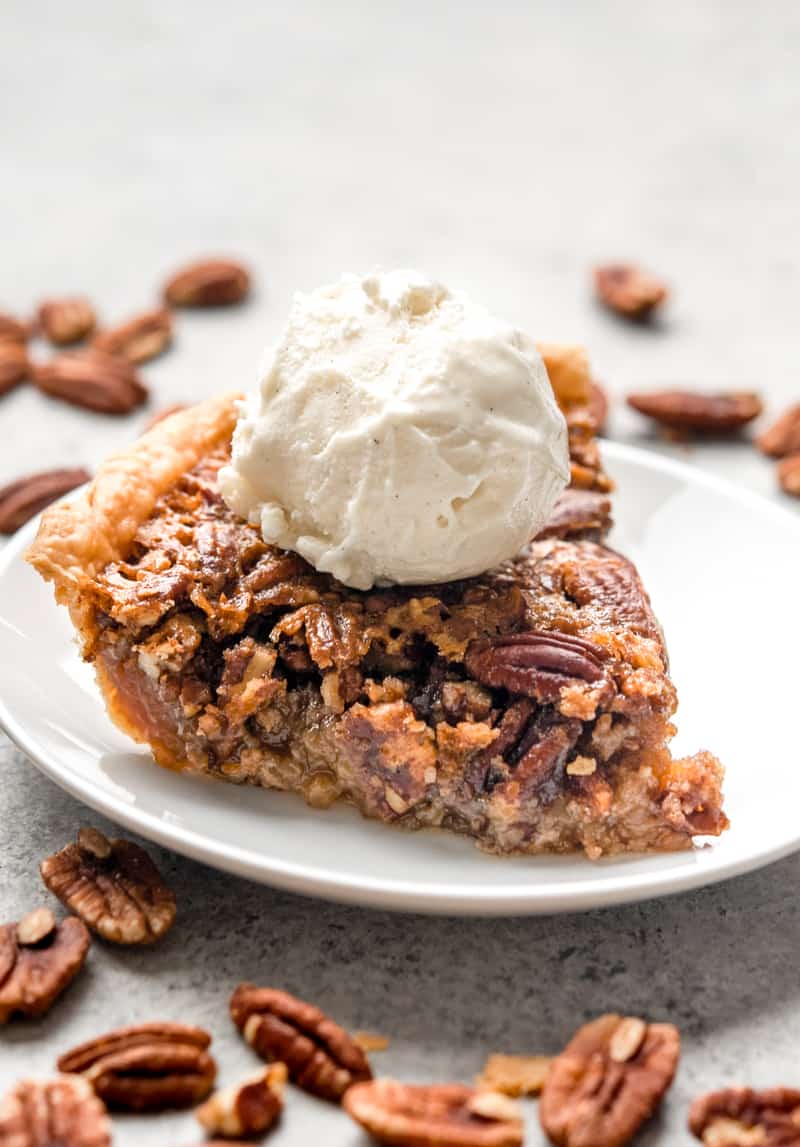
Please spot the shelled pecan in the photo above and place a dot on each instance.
(578, 514)
(209, 283)
(23, 499)
(321, 1056)
(514, 1075)
(146, 1067)
(692, 411)
(608, 1081)
(247, 1108)
(535, 664)
(628, 290)
(789, 475)
(440, 1115)
(92, 380)
(139, 339)
(13, 330)
(64, 321)
(39, 959)
(783, 437)
(743, 1117)
(14, 363)
(60, 1112)
(114, 886)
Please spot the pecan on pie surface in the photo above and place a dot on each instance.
(529, 708)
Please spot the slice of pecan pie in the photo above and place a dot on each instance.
(529, 708)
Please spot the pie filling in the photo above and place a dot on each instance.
(529, 708)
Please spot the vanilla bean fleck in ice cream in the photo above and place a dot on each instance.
(400, 434)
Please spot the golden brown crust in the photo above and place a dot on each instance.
(78, 539)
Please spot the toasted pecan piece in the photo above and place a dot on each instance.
(692, 411)
(208, 283)
(321, 1056)
(14, 364)
(65, 321)
(629, 291)
(247, 1108)
(92, 380)
(13, 329)
(743, 1117)
(514, 1075)
(439, 1115)
(789, 475)
(535, 664)
(22, 499)
(608, 1081)
(60, 1112)
(139, 339)
(39, 959)
(146, 1067)
(783, 437)
(114, 886)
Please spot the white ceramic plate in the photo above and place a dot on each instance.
(722, 567)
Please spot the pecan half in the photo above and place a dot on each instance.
(114, 886)
(789, 475)
(440, 1115)
(210, 283)
(143, 337)
(535, 664)
(783, 437)
(629, 291)
(13, 330)
(64, 321)
(23, 499)
(608, 1081)
(742, 1117)
(578, 514)
(321, 1056)
(146, 1067)
(514, 1075)
(693, 411)
(61, 1112)
(247, 1108)
(39, 959)
(14, 364)
(92, 380)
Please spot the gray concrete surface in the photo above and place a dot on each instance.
(505, 147)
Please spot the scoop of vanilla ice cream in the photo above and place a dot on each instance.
(401, 434)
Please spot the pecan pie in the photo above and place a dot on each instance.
(529, 708)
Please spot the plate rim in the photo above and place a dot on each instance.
(406, 896)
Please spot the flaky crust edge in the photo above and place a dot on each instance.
(77, 539)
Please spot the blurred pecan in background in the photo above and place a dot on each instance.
(113, 885)
(693, 411)
(141, 338)
(209, 283)
(439, 1115)
(608, 1081)
(247, 1108)
(514, 1075)
(61, 1112)
(789, 475)
(38, 960)
(146, 1067)
(14, 363)
(93, 380)
(13, 329)
(64, 321)
(742, 1117)
(22, 499)
(321, 1056)
(783, 437)
(628, 290)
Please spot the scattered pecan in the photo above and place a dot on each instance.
(783, 437)
(247, 1108)
(597, 406)
(210, 283)
(93, 380)
(21, 500)
(38, 960)
(441, 1115)
(692, 411)
(578, 514)
(146, 1067)
(742, 1117)
(114, 886)
(13, 330)
(143, 337)
(61, 1112)
(321, 1057)
(608, 1081)
(789, 475)
(64, 321)
(628, 290)
(535, 664)
(165, 412)
(514, 1075)
(14, 364)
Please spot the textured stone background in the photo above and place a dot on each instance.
(504, 147)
